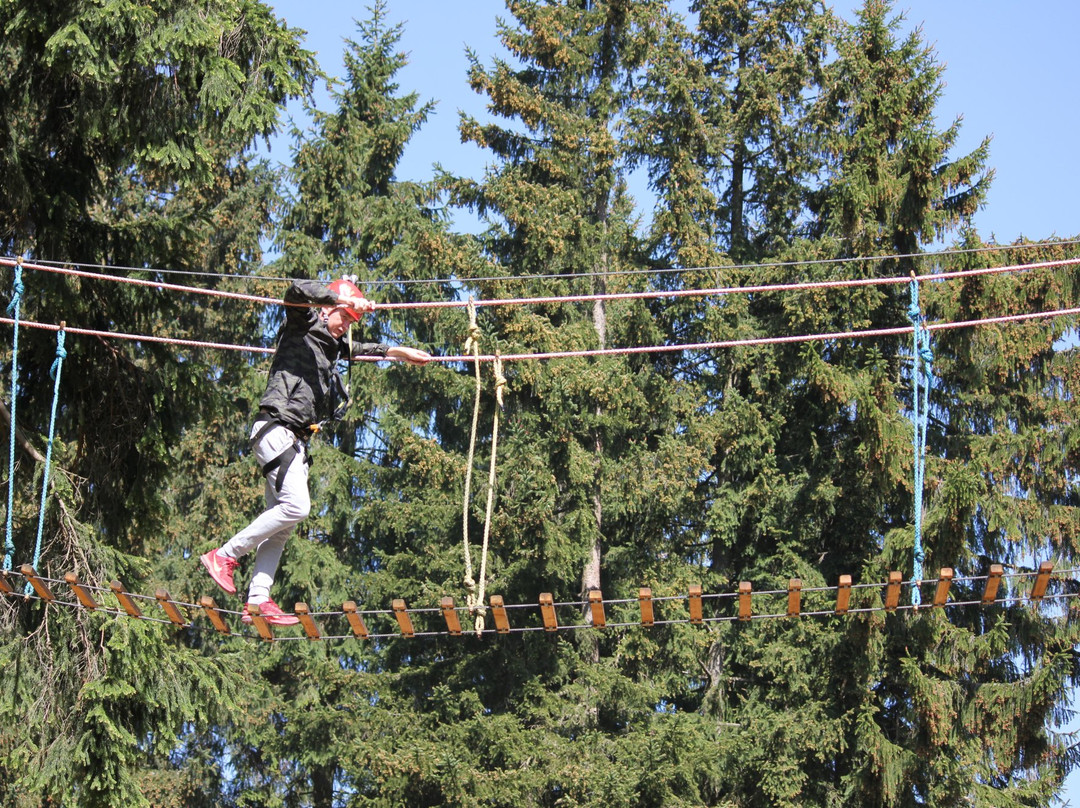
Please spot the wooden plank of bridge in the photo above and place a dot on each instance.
(547, 612)
(993, 581)
(126, 603)
(498, 612)
(450, 615)
(892, 591)
(356, 622)
(941, 592)
(81, 592)
(843, 594)
(211, 609)
(39, 585)
(645, 601)
(794, 597)
(303, 613)
(596, 608)
(402, 615)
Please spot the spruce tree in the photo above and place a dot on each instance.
(123, 144)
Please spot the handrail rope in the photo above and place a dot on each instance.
(572, 275)
(628, 351)
(54, 371)
(1006, 600)
(472, 343)
(609, 296)
(13, 309)
(500, 386)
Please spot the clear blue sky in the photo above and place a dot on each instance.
(1009, 71)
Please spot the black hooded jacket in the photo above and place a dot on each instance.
(304, 385)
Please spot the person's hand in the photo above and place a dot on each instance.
(414, 356)
(361, 305)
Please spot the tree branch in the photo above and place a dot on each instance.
(20, 436)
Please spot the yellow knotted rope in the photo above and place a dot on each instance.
(475, 593)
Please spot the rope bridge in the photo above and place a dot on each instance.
(997, 588)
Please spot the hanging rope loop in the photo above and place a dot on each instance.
(921, 379)
(57, 366)
(13, 309)
(474, 587)
(472, 345)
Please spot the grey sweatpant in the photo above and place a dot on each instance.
(284, 510)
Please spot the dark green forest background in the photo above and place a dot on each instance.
(780, 142)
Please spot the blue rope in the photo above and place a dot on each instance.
(57, 366)
(921, 378)
(13, 310)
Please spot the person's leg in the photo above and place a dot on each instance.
(284, 509)
(295, 501)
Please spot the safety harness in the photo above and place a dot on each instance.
(282, 462)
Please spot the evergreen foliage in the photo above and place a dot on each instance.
(780, 143)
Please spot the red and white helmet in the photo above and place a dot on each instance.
(346, 287)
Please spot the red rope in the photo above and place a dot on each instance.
(188, 343)
(522, 301)
(172, 287)
(729, 290)
(645, 349)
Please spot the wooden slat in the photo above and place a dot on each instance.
(695, 603)
(794, 597)
(356, 622)
(745, 609)
(403, 618)
(596, 608)
(212, 612)
(450, 615)
(1038, 589)
(125, 600)
(307, 621)
(645, 600)
(5, 584)
(993, 581)
(84, 596)
(892, 592)
(169, 607)
(39, 585)
(941, 593)
(261, 626)
(547, 612)
(843, 594)
(498, 611)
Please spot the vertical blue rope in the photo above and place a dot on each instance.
(13, 310)
(921, 376)
(57, 366)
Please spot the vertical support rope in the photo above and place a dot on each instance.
(921, 377)
(472, 344)
(54, 371)
(13, 310)
(500, 386)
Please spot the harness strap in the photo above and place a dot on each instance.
(282, 462)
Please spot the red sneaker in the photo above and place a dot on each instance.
(272, 614)
(221, 569)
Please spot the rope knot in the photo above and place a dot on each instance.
(17, 290)
(500, 379)
(472, 340)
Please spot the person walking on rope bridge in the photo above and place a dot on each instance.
(304, 387)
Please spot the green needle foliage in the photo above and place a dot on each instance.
(780, 144)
